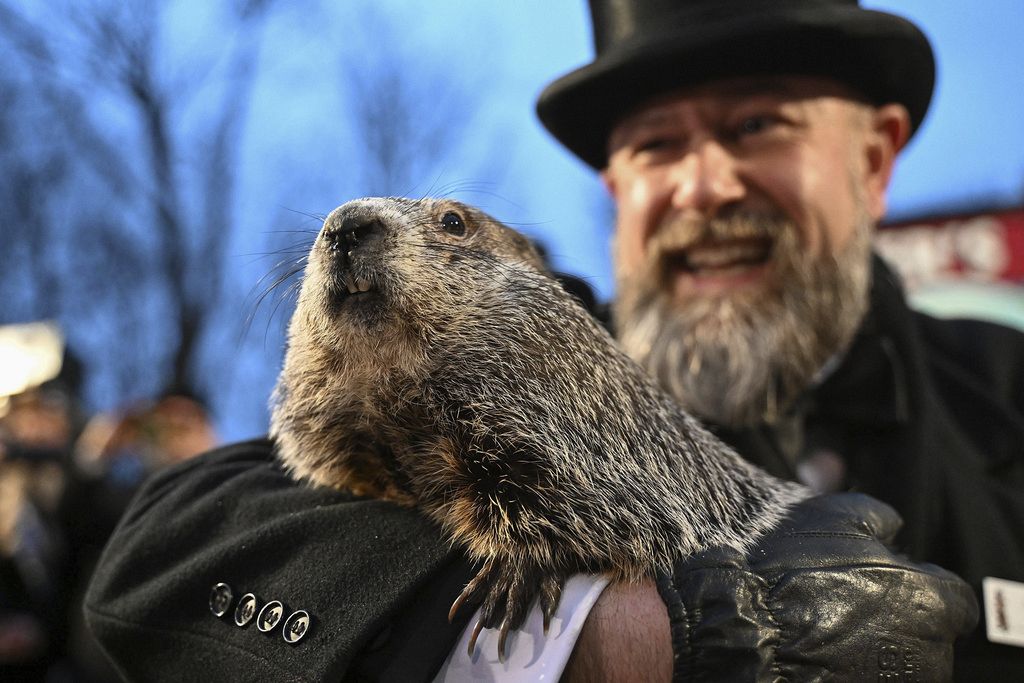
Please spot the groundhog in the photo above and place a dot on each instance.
(433, 361)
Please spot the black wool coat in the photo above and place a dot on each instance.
(927, 414)
(376, 579)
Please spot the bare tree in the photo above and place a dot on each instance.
(179, 183)
(120, 151)
(26, 230)
(406, 112)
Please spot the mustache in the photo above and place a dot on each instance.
(678, 233)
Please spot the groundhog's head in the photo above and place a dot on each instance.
(386, 266)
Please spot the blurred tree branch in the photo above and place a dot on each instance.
(121, 136)
(184, 181)
(407, 115)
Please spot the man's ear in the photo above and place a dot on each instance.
(608, 180)
(888, 132)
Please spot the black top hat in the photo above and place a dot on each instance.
(650, 47)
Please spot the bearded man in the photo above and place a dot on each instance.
(748, 146)
(749, 151)
(743, 240)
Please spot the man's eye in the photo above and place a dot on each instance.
(752, 125)
(653, 145)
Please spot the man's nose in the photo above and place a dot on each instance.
(706, 179)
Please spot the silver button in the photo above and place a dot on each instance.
(246, 609)
(220, 599)
(296, 626)
(270, 616)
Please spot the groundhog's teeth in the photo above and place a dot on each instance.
(350, 283)
(363, 285)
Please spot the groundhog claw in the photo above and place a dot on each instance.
(506, 591)
(471, 590)
(502, 637)
(479, 626)
(550, 595)
(459, 602)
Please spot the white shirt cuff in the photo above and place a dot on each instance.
(532, 656)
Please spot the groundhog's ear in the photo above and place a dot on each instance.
(582, 291)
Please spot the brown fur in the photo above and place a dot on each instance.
(467, 382)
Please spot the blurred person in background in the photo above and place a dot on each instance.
(63, 486)
(112, 456)
(117, 450)
(39, 418)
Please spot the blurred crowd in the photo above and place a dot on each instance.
(65, 478)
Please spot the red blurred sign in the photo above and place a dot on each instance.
(984, 247)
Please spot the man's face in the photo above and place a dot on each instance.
(743, 236)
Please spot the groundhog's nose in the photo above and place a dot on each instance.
(344, 230)
(355, 229)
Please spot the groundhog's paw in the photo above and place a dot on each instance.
(506, 590)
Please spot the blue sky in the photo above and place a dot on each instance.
(971, 146)
(491, 59)
(969, 152)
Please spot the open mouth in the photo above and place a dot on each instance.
(347, 288)
(719, 257)
(356, 286)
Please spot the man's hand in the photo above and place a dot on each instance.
(626, 638)
(821, 597)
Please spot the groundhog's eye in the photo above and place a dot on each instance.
(452, 224)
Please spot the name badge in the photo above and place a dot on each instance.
(1004, 610)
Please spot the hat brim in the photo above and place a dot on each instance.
(882, 56)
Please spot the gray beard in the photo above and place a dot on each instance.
(742, 360)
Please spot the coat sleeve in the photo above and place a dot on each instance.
(374, 579)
